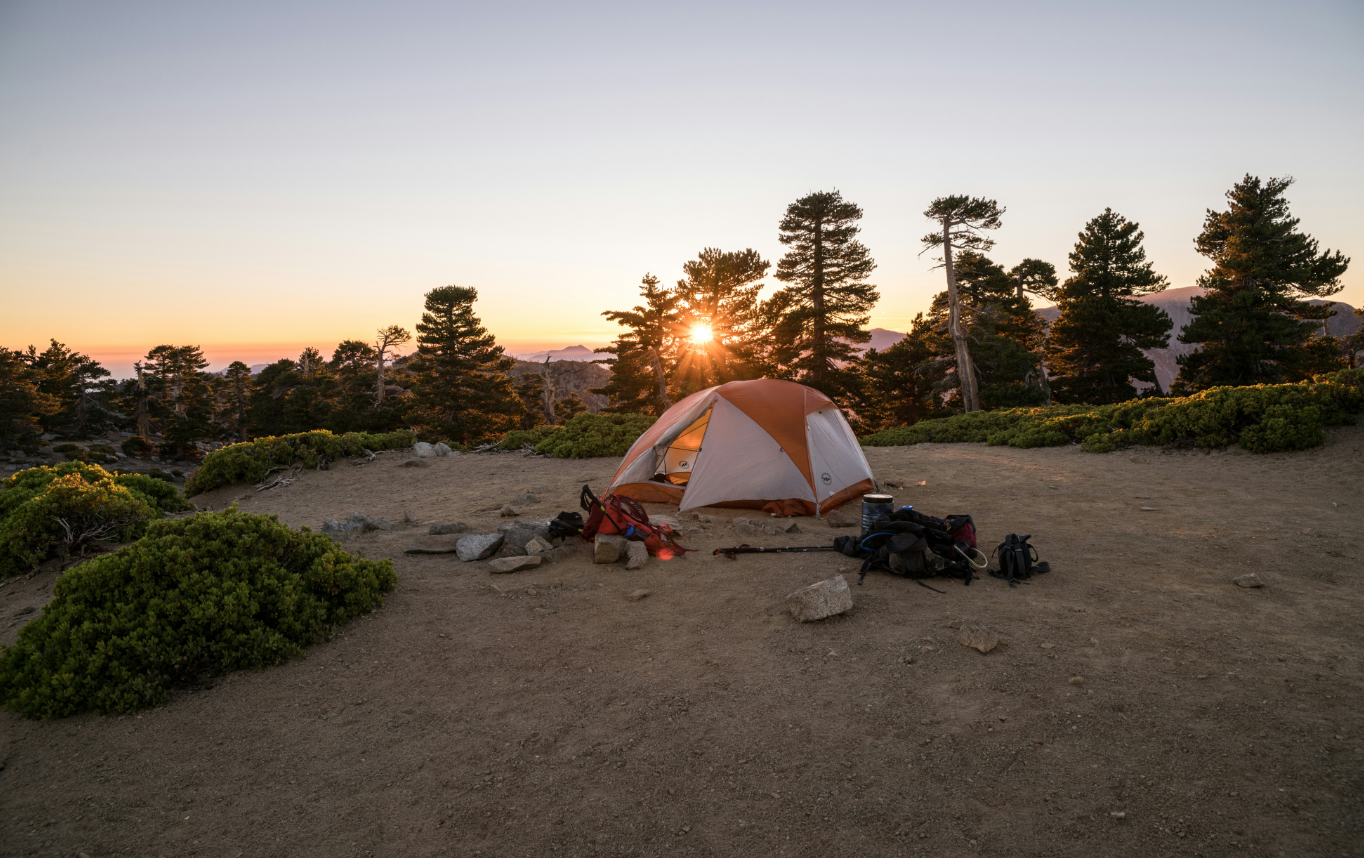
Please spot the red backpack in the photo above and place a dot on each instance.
(615, 514)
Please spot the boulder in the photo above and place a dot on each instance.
(608, 548)
(509, 511)
(479, 547)
(526, 498)
(538, 546)
(415, 463)
(357, 523)
(821, 600)
(518, 534)
(452, 527)
(423, 450)
(503, 565)
(442, 449)
(636, 555)
(441, 544)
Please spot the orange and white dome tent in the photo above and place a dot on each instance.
(764, 444)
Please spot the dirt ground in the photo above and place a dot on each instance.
(566, 719)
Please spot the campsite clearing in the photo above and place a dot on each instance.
(556, 711)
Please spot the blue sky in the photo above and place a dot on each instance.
(258, 177)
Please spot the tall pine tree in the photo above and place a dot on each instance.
(644, 353)
(961, 225)
(828, 301)
(460, 386)
(1254, 323)
(1094, 346)
(720, 316)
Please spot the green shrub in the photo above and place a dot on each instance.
(72, 506)
(209, 594)
(588, 436)
(1262, 419)
(248, 462)
(136, 446)
(518, 438)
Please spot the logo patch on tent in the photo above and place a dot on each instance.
(826, 478)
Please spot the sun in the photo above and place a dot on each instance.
(700, 334)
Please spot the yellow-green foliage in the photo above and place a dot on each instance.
(248, 462)
(588, 436)
(518, 438)
(73, 505)
(209, 594)
(1266, 418)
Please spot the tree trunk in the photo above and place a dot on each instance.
(379, 391)
(966, 376)
(818, 351)
(664, 402)
(547, 397)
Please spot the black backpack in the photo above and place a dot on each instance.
(566, 524)
(913, 545)
(1018, 560)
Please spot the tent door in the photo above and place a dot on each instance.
(678, 459)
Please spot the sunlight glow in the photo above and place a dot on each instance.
(700, 334)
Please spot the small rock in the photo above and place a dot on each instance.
(442, 544)
(893, 484)
(415, 463)
(442, 449)
(526, 498)
(423, 450)
(451, 527)
(708, 519)
(1077, 680)
(512, 564)
(1250, 580)
(538, 489)
(1047, 645)
(608, 548)
(955, 624)
(751, 527)
(1150, 509)
(409, 518)
(508, 511)
(842, 519)
(479, 547)
(639, 594)
(636, 555)
(538, 546)
(1118, 814)
(978, 637)
(821, 600)
(379, 524)
(544, 612)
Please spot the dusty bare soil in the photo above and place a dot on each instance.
(566, 719)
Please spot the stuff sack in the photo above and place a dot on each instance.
(615, 514)
(1018, 560)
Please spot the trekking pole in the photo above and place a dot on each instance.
(733, 553)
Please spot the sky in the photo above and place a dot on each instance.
(259, 177)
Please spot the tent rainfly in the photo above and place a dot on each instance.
(764, 444)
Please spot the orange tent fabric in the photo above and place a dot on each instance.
(762, 444)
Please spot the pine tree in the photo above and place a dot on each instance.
(893, 391)
(23, 405)
(1094, 346)
(644, 353)
(828, 303)
(1035, 277)
(719, 314)
(234, 398)
(460, 387)
(313, 397)
(269, 392)
(530, 389)
(961, 221)
(1254, 323)
(77, 383)
(385, 342)
(180, 395)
